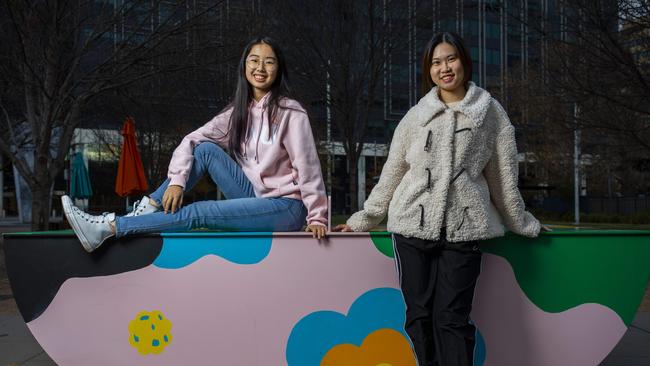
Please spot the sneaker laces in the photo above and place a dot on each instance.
(99, 219)
(136, 205)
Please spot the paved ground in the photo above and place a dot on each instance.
(634, 347)
(19, 348)
(17, 345)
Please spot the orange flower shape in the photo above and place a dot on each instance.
(383, 347)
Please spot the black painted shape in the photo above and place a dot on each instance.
(38, 265)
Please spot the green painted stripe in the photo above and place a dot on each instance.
(569, 267)
(564, 232)
(374, 234)
(41, 233)
(383, 243)
(558, 272)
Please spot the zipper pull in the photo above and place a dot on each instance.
(427, 146)
(421, 216)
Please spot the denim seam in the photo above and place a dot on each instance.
(233, 173)
(250, 215)
(238, 183)
(159, 226)
(182, 222)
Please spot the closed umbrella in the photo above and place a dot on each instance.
(130, 173)
(79, 179)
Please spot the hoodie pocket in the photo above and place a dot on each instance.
(271, 184)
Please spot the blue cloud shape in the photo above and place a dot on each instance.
(318, 332)
(182, 249)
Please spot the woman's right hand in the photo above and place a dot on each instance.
(173, 198)
(342, 227)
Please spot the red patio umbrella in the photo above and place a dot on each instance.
(130, 173)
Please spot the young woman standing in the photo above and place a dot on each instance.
(450, 181)
(274, 182)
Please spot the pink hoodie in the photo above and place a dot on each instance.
(286, 165)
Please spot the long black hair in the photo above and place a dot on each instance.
(244, 95)
(464, 56)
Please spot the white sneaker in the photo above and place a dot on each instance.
(142, 207)
(91, 230)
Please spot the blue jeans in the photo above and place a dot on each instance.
(241, 211)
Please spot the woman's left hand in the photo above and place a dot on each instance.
(318, 231)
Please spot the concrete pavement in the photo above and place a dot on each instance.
(634, 348)
(18, 346)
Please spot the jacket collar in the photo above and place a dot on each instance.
(474, 105)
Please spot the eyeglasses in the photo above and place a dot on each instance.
(254, 63)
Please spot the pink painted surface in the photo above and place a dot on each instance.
(220, 311)
(517, 332)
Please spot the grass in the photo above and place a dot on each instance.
(340, 219)
(600, 225)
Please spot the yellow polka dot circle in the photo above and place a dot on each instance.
(150, 332)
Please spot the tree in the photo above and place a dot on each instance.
(592, 75)
(58, 56)
(597, 58)
(340, 54)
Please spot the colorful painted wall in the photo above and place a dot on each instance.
(208, 298)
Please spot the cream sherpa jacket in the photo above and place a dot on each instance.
(441, 171)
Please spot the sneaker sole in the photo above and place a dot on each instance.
(67, 210)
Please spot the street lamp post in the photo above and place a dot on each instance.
(576, 166)
(329, 129)
(2, 188)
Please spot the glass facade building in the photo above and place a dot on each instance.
(506, 40)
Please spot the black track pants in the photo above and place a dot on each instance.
(438, 279)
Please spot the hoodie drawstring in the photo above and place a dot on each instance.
(259, 134)
(246, 136)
